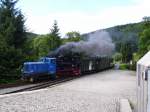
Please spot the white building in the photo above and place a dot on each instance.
(143, 84)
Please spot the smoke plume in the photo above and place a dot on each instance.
(97, 44)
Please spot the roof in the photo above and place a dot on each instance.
(47, 58)
(145, 60)
(34, 63)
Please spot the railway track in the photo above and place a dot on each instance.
(43, 85)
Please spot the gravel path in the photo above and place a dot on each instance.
(99, 92)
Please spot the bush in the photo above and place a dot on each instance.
(124, 66)
(10, 63)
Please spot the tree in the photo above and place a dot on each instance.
(126, 51)
(12, 37)
(144, 41)
(117, 57)
(72, 36)
(146, 21)
(20, 33)
(42, 45)
(12, 26)
(54, 34)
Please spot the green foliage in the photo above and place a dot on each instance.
(12, 27)
(117, 57)
(12, 38)
(144, 41)
(11, 60)
(146, 21)
(54, 35)
(126, 51)
(29, 52)
(31, 35)
(42, 45)
(124, 66)
(72, 37)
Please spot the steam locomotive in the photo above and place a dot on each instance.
(64, 66)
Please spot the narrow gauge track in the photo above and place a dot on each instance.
(43, 85)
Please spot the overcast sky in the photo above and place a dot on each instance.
(81, 15)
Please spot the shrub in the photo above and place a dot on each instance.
(124, 66)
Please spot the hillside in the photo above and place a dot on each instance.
(119, 34)
(122, 33)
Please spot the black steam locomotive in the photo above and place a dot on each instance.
(77, 64)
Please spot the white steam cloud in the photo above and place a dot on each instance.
(97, 44)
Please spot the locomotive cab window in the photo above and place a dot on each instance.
(53, 61)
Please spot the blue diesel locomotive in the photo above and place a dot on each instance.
(44, 67)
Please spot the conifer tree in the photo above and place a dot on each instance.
(12, 27)
(12, 37)
(54, 34)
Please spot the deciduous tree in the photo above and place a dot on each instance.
(144, 41)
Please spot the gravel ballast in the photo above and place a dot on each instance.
(100, 92)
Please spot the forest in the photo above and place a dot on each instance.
(18, 45)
